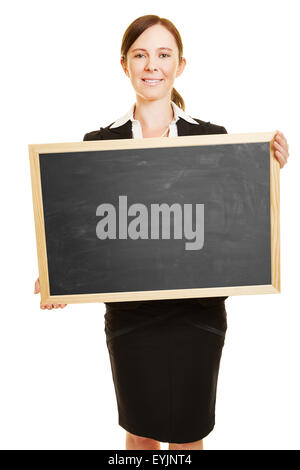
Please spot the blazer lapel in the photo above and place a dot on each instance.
(186, 128)
(121, 132)
(125, 131)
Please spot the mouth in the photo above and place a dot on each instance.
(152, 82)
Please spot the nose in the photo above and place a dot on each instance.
(151, 65)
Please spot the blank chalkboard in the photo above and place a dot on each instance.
(157, 218)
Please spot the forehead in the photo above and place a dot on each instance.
(155, 37)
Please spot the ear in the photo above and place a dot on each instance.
(124, 66)
(181, 67)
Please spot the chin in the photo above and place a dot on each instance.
(153, 94)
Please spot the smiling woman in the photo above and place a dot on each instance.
(164, 354)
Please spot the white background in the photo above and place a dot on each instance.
(61, 77)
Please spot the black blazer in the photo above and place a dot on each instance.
(183, 128)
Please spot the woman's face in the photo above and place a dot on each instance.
(154, 55)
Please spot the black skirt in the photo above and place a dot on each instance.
(165, 358)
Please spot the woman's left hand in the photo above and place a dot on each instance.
(281, 148)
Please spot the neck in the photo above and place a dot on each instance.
(155, 114)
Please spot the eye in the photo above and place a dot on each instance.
(163, 53)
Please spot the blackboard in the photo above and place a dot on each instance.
(158, 218)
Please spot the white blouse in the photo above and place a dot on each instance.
(137, 128)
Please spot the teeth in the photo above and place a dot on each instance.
(151, 81)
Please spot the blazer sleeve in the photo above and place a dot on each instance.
(219, 130)
(215, 129)
(94, 135)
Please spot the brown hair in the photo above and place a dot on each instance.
(137, 27)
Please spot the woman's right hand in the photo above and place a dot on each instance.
(48, 306)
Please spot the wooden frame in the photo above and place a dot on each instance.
(36, 149)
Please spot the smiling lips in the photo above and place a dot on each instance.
(152, 81)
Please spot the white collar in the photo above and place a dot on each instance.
(178, 112)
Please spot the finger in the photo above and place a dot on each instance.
(280, 157)
(283, 150)
(282, 160)
(279, 133)
(37, 286)
(280, 148)
(47, 306)
(281, 140)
